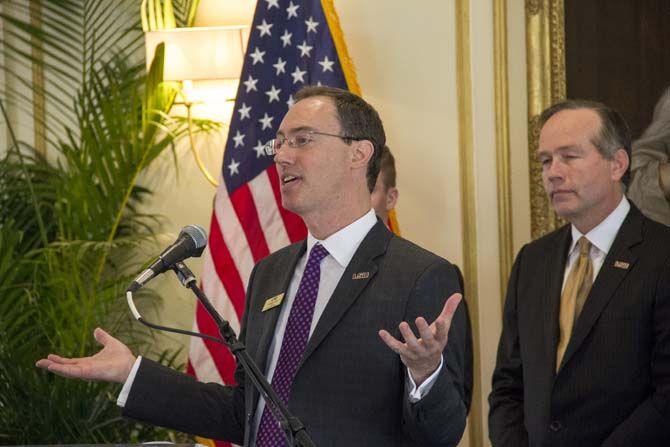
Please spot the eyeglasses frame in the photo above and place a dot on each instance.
(270, 150)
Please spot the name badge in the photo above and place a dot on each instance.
(621, 265)
(361, 275)
(273, 302)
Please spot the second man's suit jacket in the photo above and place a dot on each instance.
(613, 385)
(350, 387)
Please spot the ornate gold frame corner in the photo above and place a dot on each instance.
(545, 53)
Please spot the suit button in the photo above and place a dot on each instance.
(555, 426)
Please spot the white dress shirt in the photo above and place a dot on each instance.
(601, 238)
(341, 247)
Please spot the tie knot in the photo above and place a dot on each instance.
(317, 254)
(584, 246)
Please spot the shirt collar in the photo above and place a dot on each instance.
(602, 236)
(342, 244)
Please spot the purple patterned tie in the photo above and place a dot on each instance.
(293, 346)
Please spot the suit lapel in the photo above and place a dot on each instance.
(349, 288)
(284, 272)
(608, 279)
(554, 273)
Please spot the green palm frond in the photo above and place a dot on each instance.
(76, 38)
(167, 14)
(70, 221)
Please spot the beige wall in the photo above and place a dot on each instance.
(405, 58)
(405, 61)
(484, 148)
(518, 104)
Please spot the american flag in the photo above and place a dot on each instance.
(292, 43)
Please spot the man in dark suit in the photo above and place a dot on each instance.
(584, 356)
(316, 310)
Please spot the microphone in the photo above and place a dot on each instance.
(190, 243)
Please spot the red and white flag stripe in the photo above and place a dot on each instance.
(246, 227)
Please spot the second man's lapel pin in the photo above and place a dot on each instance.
(621, 265)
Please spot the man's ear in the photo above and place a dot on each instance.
(620, 163)
(362, 152)
(391, 198)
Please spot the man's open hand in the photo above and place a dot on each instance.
(111, 364)
(422, 355)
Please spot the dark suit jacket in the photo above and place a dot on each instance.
(468, 357)
(350, 387)
(613, 387)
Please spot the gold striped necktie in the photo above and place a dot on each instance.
(577, 287)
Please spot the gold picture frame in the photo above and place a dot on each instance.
(545, 53)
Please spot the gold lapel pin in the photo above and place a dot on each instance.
(273, 302)
(361, 275)
(621, 265)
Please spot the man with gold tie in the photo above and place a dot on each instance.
(584, 356)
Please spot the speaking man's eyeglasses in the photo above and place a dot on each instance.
(301, 139)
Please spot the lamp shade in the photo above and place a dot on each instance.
(200, 53)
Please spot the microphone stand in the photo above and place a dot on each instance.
(294, 429)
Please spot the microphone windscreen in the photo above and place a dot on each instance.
(198, 234)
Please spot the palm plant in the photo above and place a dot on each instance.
(70, 218)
